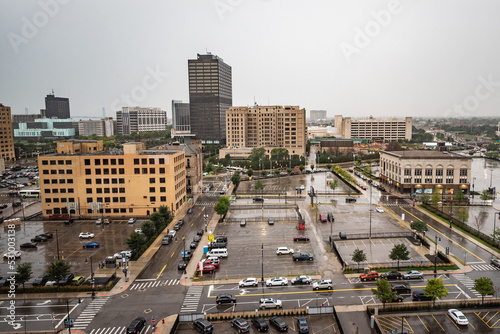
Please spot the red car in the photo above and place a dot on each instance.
(208, 269)
(322, 218)
(372, 275)
(211, 263)
(301, 238)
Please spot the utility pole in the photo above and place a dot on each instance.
(370, 214)
(262, 263)
(57, 245)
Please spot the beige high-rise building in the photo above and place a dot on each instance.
(375, 129)
(83, 180)
(6, 134)
(267, 126)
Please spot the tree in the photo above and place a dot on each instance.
(435, 198)
(459, 196)
(149, 229)
(328, 166)
(463, 214)
(235, 179)
(57, 270)
(358, 256)
(263, 173)
(222, 205)
(334, 184)
(277, 172)
(485, 195)
(250, 172)
(435, 289)
(312, 167)
(420, 226)
(479, 221)
(24, 273)
(301, 168)
(399, 252)
(209, 168)
(158, 220)
(135, 241)
(384, 291)
(484, 286)
(289, 171)
(425, 198)
(492, 147)
(259, 185)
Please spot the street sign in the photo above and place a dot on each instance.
(210, 237)
(402, 216)
(124, 259)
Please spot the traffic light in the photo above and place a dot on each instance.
(447, 250)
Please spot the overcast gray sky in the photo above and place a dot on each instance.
(355, 58)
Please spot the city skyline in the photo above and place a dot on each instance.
(381, 58)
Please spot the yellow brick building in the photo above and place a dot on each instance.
(133, 182)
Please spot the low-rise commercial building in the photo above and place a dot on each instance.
(83, 180)
(374, 129)
(138, 119)
(418, 172)
(102, 127)
(46, 128)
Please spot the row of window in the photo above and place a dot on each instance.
(436, 181)
(57, 191)
(106, 190)
(56, 162)
(106, 181)
(57, 171)
(56, 181)
(59, 211)
(439, 172)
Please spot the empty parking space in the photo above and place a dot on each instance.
(256, 212)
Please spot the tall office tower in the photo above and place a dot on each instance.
(316, 115)
(180, 117)
(210, 95)
(56, 107)
(6, 135)
(136, 119)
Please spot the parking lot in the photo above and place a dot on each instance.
(245, 253)
(111, 238)
(317, 324)
(257, 211)
(483, 321)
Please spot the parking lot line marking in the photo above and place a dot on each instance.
(427, 329)
(165, 266)
(485, 316)
(453, 322)
(438, 322)
(363, 243)
(491, 318)
(172, 254)
(471, 325)
(353, 243)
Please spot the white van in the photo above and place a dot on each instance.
(217, 252)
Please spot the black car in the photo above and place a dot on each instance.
(197, 238)
(397, 298)
(225, 298)
(177, 227)
(66, 280)
(40, 280)
(303, 279)
(260, 324)
(302, 325)
(39, 238)
(193, 245)
(278, 323)
(401, 288)
(221, 238)
(182, 265)
(69, 221)
(258, 199)
(214, 245)
(181, 222)
(136, 325)
(28, 245)
(47, 235)
(3, 206)
(391, 275)
(330, 217)
(303, 257)
(241, 325)
(420, 295)
(203, 326)
(16, 204)
(199, 232)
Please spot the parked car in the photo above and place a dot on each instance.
(190, 211)
(13, 254)
(209, 269)
(182, 264)
(138, 230)
(98, 221)
(86, 235)
(284, 250)
(300, 238)
(28, 245)
(91, 244)
(132, 220)
(241, 325)
(3, 206)
(69, 221)
(186, 255)
(39, 238)
(269, 303)
(166, 240)
(495, 262)
(40, 280)
(401, 288)
(172, 233)
(225, 298)
(303, 257)
(260, 324)
(177, 227)
(47, 235)
(413, 274)
(330, 217)
(458, 317)
(16, 204)
(78, 280)
(203, 326)
(370, 276)
(66, 280)
(106, 221)
(324, 284)
(420, 295)
(221, 238)
(399, 331)
(278, 323)
(270, 222)
(323, 218)
(243, 222)
(380, 209)
(277, 281)
(127, 253)
(136, 326)
(193, 245)
(181, 222)
(248, 282)
(397, 298)
(391, 275)
(302, 279)
(302, 325)
(213, 261)
(350, 200)
(200, 232)
(258, 199)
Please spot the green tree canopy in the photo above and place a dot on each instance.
(259, 185)
(263, 173)
(484, 285)
(384, 291)
(149, 229)
(435, 198)
(250, 172)
(222, 205)
(334, 184)
(135, 241)
(485, 195)
(235, 179)
(358, 256)
(301, 168)
(463, 214)
(435, 289)
(459, 196)
(420, 226)
(57, 270)
(399, 253)
(24, 273)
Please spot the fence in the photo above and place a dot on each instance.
(373, 235)
(260, 206)
(260, 219)
(312, 310)
(190, 317)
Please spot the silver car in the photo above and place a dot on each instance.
(413, 274)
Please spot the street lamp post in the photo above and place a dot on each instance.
(57, 245)
(435, 255)
(370, 214)
(473, 188)
(262, 263)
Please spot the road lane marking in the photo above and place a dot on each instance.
(172, 254)
(447, 237)
(427, 329)
(165, 266)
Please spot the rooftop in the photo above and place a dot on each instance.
(425, 154)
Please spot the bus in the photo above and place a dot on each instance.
(30, 193)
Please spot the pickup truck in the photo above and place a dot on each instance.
(303, 257)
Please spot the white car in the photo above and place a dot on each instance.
(413, 274)
(132, 221)
(324, 284)
(13, 254)
(248, 282)
(458, 317)
(51, 283)
(138, 230)
(302, 187)
(98, 221)
(277, 281)
(270, 303)
(379, 209)
(172, 233)
(119, 255)
(86, 235)
(284, 250)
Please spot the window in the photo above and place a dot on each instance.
(107, 200)
(152, 189)
(62, 181)
(463, 172)
(113, 162)
(123, 210)
(428, 172)
(55, 191)
(162, 180)
(89, 200)
(88, 181)
(136, 161)
(63, 191)
(122, 190)
(137, 171)
(45, 162)
(106, 190)
(71, 190)
(122, 199)
(60, 162)
(115, 199)
(440, 180)
(46, 181)
(144, 171)
(121, 181)
(152, 171)
(45, 171)
(428, 180)
(162, 161)
(114, 190)
(98, 181)
(98, 190)
(449, 172)
(151, 161)
(106, 171)
(52, 162)
(462, 180)
(163, 199)
(162, 170)
(114, 181)
(68, 171)
(97, 162)
(70, 181)
(417, 180)
(121, 171)
(48, 200)
(418, 171)
(113, 171)
(163, 189)
(152, 199)
(53, 171)
(54, 181)
(106, 181)
(47, 191)
(116, 210)
(407, 171)
(122, 162)
(439, 172)
(89, 190)
(144, 161)
(152, 180)
(105, 161)
(87, 162)
(98, 171)
(449, 180)
(87, 171)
